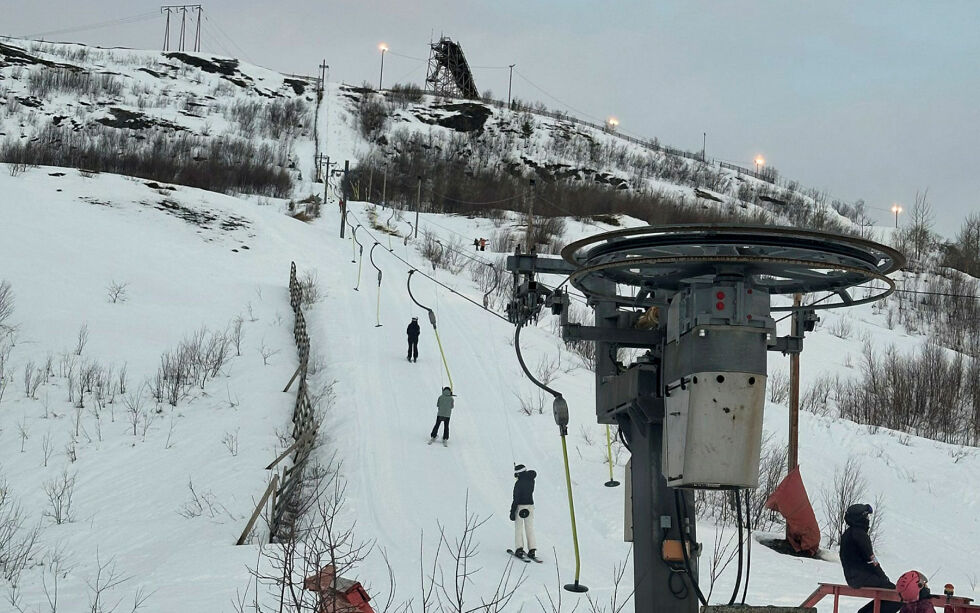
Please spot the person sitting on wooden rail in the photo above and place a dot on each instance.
(857, 557)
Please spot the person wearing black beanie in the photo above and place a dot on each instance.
(522, 511)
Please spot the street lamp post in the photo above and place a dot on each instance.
(759, 163)
(510, 81)
(896, 209)
(383, 48)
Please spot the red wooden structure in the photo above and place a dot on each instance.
(949, 604)
(347, 597)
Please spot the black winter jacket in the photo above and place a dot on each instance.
(413, 330)
(861, 569)
(523, 491)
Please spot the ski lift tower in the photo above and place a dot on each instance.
(697, 299)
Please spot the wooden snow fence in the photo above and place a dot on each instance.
(285, 486)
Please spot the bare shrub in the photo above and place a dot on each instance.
(60, 491)
(201, 504)
(82, 339)
(849, 487)
(841, 328)
(18, 539)
(6, 307)
(230, 441)
(310, 289)
(816, 399)
(372, 116)
(116, 292)
(237, 333)
(778, 384)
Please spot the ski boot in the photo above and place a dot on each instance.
(530, 554)
(519, 553)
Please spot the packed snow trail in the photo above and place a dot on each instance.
(385, 408)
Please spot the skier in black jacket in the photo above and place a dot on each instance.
(413, 332)
(861, 568)
(522, 510)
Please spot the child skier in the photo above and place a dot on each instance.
(444, 405)
(413, 332)
(913, 587)
(522, 510)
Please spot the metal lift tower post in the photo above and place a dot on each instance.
(697, 300)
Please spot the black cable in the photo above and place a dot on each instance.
(678, 497)
(738, 526)
(433, 279)
(95, 26)
(520, 358)
(748, 529)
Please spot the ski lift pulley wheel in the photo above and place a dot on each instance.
(779, 260)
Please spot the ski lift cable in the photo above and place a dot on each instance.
(411, 267)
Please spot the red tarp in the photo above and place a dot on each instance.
(790, 500)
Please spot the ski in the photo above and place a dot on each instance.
(524, 558)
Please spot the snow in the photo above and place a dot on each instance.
(64, 239)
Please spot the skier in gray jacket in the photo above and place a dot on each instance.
(445, 409)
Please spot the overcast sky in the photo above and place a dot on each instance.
(872, 100)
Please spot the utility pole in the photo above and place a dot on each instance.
(529, 196)
(323, 79)
(794, 395)
(370, 191)
(704, 146)
(343, 198)
(384, 187)
(418, 204)
(510, 80)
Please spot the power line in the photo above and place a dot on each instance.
(232, 40)
(97, 25)
(566, 105)
(407, 57)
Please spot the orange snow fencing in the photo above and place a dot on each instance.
(790, 501)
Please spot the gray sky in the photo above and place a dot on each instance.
(872, 100)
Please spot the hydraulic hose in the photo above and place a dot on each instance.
(741, 544)
(687, 558)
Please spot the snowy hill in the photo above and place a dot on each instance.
(187, 259)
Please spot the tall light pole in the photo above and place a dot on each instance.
(759, 163)
(704, 146)
(896, 209)
(383, 48)
(510, 81)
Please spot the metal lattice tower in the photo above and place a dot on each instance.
(448, 73)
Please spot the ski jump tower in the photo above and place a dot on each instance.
(448, 73)
(696, 300)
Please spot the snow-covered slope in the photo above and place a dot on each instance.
(61, 249)
(190, 258)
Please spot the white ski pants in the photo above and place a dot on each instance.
(524, 525)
